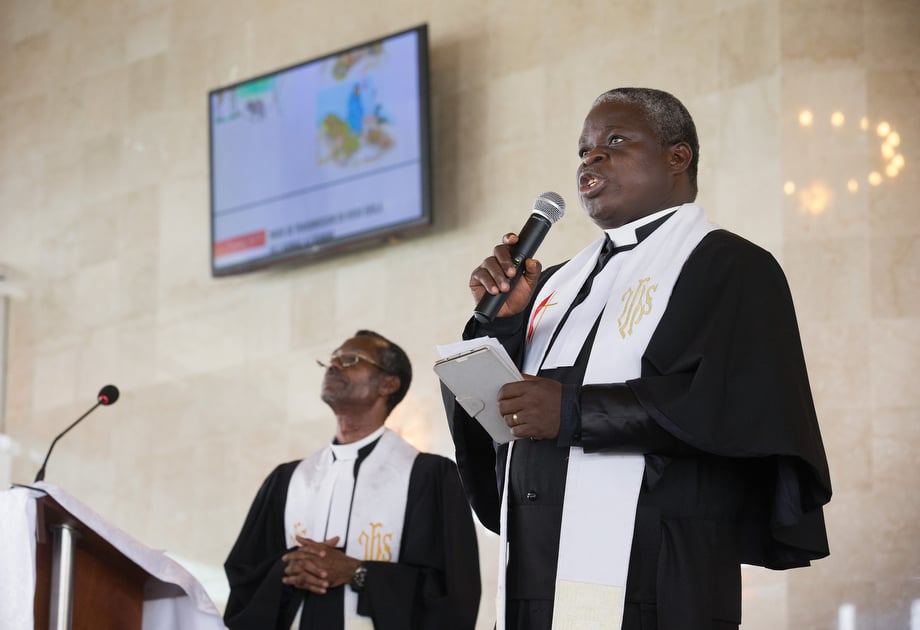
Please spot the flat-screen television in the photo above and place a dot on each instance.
(321, 157)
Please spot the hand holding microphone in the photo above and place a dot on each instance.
(494, 283)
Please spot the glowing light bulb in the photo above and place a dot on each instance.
(817, 198)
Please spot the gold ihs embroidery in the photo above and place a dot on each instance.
(299, 530)
(637, 302)
(376, 543)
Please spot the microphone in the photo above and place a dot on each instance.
(547, 209)
(106, 396)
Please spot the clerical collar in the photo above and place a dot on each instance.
(633, 232)
(352, 450)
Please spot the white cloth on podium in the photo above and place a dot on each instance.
(177, 602)
(17, 557)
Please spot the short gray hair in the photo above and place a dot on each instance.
(668, 116)
(393, 360)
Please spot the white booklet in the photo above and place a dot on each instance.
(474, 370)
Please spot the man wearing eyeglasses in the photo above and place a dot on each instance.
(367, 532)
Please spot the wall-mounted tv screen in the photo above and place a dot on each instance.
(321, 157)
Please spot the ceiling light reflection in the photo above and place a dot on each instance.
(817, 197)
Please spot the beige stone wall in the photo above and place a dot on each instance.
(104, 244)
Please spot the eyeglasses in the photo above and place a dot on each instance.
(347, 360)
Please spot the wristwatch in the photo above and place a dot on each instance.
(359, 578)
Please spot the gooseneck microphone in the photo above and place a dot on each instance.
(107, 396)
(547, 209)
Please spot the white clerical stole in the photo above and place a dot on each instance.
(627, 300)
(342, 478)
(367, 514)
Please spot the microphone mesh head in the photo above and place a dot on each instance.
(550, 205)
(108, 395)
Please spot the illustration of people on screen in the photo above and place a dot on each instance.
(260, 97)
(376, 133)
(355, 110)
(224, 106)
(347, 61)
(257, 99)
(354, 137)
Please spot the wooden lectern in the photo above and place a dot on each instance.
(63, 566)
(82, 581)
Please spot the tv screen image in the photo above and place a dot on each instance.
(322, 156)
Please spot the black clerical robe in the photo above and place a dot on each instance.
(735, 466)
(434, 584)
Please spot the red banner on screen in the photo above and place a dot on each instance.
(239, 243)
